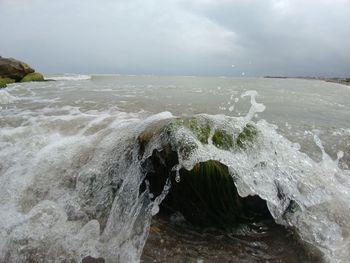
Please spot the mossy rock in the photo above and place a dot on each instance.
(223, 140)
(206, 195)
(5, 80)
(200, 127)
(174, 133)
(184, 145)
(35, 76)
(152, 130)
(247, 136)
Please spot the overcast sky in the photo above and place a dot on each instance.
(183, 37)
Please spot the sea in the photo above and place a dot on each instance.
(72, 173)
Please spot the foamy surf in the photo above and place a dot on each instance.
(68, 76)
(6, 98)
(70, 173)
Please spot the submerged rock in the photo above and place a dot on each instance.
(247, 136)
(90, 259)
(206, 195)
(223, 140)
(199, 125)
(183, 135)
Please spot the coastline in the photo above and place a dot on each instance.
(343, 81)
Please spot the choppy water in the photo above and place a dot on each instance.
(70, 166)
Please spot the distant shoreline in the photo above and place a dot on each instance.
(344, 81)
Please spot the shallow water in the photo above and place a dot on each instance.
(70, 176)
(174, 240)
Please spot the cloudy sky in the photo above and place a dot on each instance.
(182, 37)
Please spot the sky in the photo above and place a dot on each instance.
(179, 37)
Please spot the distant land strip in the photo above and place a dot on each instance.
(345, 81)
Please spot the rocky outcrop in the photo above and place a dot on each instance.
(183, 134)
(205, 195)
(13, 70)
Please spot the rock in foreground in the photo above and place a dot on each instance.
(206, 194)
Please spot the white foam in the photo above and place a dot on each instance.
(275, 169)
(6, 98)
(62, 169)
(69, 76)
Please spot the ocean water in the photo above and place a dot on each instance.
(71, 166)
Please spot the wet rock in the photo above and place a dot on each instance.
(150, 132)
(14, 69)
(5, 80)
(90, 259)
(183, 135)
(206, 195)
(223, 140)
(35, 76)
(200, 126)
(247, 136)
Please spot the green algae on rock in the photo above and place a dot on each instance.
(223, 140)
(5, 80)
(199, 125)
(184, 144)
(185, 135)
(247, 136)
(14, 69)
(205, 195)
(35, 76)
(181, 134)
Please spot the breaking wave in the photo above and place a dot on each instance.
(6, 98)
(69, 76)
(74, 185)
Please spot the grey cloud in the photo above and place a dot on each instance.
(273, 37)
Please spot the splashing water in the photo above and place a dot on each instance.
(67, 195)
(255, 107)
(308, 196)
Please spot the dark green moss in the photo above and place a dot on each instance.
(5, 80)
(206, 195)
(35, 76)
(247, 136)
(200, 127)
(214, 196)
(222, 139)
(182, 135)
(293, 207)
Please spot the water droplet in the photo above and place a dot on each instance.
(155, 209)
